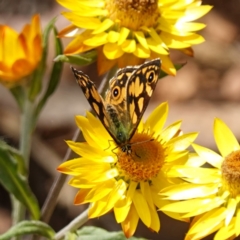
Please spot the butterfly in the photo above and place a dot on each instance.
(125, 101)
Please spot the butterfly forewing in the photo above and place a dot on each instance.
(140, 87)
(94, 99)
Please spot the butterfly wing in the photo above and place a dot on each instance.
(125, 101)
(104, 112)
(139, 90)
(116, 94)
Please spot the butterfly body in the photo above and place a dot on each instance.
(125, 101)
(118, 129)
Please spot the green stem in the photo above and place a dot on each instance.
(24, 147)
(26, 130)
(73, 225)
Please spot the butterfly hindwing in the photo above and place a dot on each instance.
(116, 94)
(140, 87)
(93, 97)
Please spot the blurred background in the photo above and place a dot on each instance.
(208, 86)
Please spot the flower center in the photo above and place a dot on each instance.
(145, 160)
(231, 173)
(133, 14)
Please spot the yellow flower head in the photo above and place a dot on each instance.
(20, 53)
(128, 32)
(127, 183)
(210, 194)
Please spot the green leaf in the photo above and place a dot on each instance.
(12, 177)
(70, 236)
(177, 66)
(81, 60)
(54, 78)
(16, 155)
(29, 227)
(36, 82)
(18, 94)
(89, 233)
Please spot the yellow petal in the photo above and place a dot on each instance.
(155, 36)
(131, 189)
(98, 128)
(141, 52)
(121, 209)
(93, 12)
(208, 205)
(81, 195)
(182, 142)
(167, 26)
(208, 155)
(130, 223)
(188, 191)
(109, 201)
(171, 41)
(82, 22)
(226, 232)
(89, 136)
(189, 26)
(179, 42)
(195, 13)
(231, 207)
(156, 47)
(207, 222)
(167, 65)
(69, 31)
(237, 225)
(155, 222)
(81, 183)
(9, 51)
(77, 45)
(157, 118)
(171, 130)
(112, 51)
(142, 208)
(124, 32)
(84, 5)
(146, 192)
(129, 46)
(85, 150)
(189, 206)
(141, 39)
(194, 160)
(113, 36)
(97, 209)
(178, 158)
(198, 175)
(105, 25)
(225, 139)
(100, 192)
(97, 40)
(159, 202)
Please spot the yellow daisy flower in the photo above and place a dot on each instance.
(210, 194)
(21, 52)
(128, 184)
(128, 32)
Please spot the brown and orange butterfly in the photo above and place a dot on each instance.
(126, 99)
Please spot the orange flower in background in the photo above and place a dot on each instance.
(20, 53)
(128, 32)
